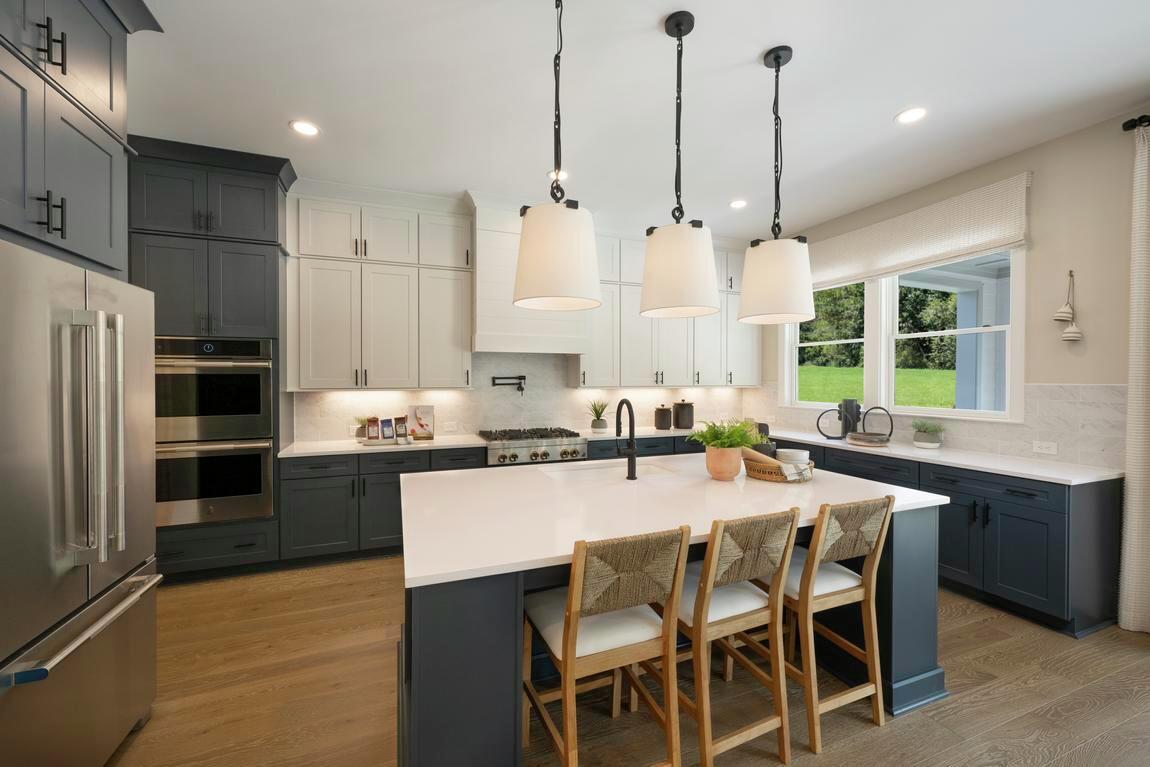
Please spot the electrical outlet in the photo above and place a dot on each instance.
(1045, 448)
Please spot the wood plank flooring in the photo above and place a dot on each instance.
(297, 667)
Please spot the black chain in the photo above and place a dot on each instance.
(677, 211)
(557, 193)
(776, 227)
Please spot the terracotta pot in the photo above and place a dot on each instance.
(724, 463)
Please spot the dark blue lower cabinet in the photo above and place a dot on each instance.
(1026, 557)
(655, 446)
(205, 547)
(600, 449)
(684, 445)
(960, 533)
(319, 516)
(380, 512)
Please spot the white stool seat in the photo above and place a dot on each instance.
(830, 577)
(726, 601)
(597, 633)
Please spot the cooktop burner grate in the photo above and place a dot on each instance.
(511, 435)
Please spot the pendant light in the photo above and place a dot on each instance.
(679, 270)
(777, 273)
(557, 269)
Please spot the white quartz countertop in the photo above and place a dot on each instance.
(344, 446)
(994, 463)
(468, 524)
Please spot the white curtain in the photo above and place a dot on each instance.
(1134, 599)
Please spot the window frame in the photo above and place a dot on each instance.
(881, 332)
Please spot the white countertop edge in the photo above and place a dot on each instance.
(993, 463)
(317, 448)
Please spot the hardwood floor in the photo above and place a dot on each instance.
(297, 667)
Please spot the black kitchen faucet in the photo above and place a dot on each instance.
(631, 450)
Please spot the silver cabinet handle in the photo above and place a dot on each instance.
(119, 485)
(96, 398)
(212, 447)
(142, 584)
(175, 362)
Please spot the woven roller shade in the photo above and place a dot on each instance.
(977, 221)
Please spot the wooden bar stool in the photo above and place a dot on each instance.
(817, 582)
(605, 621)
(738, 586)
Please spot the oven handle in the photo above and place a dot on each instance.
(212, 447)
(187, 363)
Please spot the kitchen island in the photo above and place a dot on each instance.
(476, 541)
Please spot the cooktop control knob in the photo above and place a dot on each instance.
(513, 457)
(535, 455)
(564, 454)
(545, 455)
(502, 458)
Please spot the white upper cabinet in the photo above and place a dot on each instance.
(709, 346)
(389, 234)
(390, 327)
(744, 347)
(721, 269)
(637, 340)
(674, 361)
(444, 328)
(608, 250)
(734, 272)
(600, 366)
(444, 240)
(631, 257)
(329, 324)
(329, 228)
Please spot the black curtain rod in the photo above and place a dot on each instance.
(1134, 122)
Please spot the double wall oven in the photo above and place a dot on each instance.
(214, 427)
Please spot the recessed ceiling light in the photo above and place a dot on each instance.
(738, 204)
(304, 128)
(912, 115)
(562, 175)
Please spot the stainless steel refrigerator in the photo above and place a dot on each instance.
(77, 511)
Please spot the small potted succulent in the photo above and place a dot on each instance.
(927, 434)
(597, 408)
(725, 441)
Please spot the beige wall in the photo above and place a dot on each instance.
(1079, 219)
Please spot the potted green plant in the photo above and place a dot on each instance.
(927, 434)
(597, 408)
(725, 441)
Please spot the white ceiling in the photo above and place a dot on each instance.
(442, 96)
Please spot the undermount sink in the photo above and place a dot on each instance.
(584, 473)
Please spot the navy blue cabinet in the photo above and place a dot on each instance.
(598, 449)
(319, 516)
(380, 511)
(879, 468)
(960, 540)
(185, 549)
(1026, 557)
(684, 445)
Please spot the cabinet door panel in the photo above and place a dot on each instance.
(444, 240)
(176, 270)
(632, 260)
(390, 234)
(87, 171)
(734, 271)
(444, 328)
(709, 335)
(242, 205)
(168, 197)
(380, 512)
(721, 269)
(97, 58)
(18, 19)
(637, 340)
(607, 249)
(329, 324)
(21, 146)
(675, 360)
(328, 229)
(744, 347)
(960, 539)
(242, 289)
(601, 364)
(319, 516)
(1026, 557)
(390, 327)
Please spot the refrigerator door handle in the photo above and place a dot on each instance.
(95, 324)
(142, 585)
(120, 487)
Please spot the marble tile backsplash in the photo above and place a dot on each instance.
(1087, 422)
(549, 400)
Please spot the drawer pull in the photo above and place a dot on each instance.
(244, 545)
(947, 480)
(1021, 493)
(973, 512)
(986, 514)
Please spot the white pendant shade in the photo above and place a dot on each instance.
(777, 285)
(679, 273)
(558, 268)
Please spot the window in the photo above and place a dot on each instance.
(944, 340)
(829, 353)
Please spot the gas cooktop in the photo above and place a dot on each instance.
(540, 445)
(517, 435)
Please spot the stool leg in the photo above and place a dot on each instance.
(728, 668)
(701, 658)
(616, 693)
(526, 728)
(792, 633)
(570, 729)
(810, 677)
(779, 679)
(671, 707)
(874, 676)
(633, 697)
